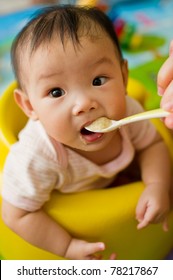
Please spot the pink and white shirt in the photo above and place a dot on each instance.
(35, 166)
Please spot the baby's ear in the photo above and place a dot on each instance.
(23, 102)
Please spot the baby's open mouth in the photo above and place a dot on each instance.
(84, 131)
(90, 136)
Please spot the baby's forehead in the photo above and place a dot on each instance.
(42, 31)
(93, 35)
(89, 47)
(90, 33)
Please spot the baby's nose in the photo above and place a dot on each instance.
(84, 105)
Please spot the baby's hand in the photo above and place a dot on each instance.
(83, 250)
(153, 207)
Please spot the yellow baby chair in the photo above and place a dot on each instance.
(98, 215)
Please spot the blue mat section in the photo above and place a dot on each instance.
(10, 25)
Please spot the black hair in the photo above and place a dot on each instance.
(65, 20)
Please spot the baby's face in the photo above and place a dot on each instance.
(70, 87)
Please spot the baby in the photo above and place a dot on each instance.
(70, 72)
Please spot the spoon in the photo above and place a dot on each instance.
(103, 124)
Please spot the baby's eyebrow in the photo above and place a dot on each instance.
(45, 76)
(103, 60)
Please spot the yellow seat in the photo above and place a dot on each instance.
(99, 215)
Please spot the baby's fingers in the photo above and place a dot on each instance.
(165, 225)
(113, 256)
(141, 211)
(148, 217)
(143, 223)
(93, 248)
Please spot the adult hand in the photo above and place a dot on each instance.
(165, 86)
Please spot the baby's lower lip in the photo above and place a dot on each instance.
(90, 138)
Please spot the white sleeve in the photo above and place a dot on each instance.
(29, 176)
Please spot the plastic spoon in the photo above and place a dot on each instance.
(106, 125)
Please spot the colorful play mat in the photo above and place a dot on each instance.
(144, 29)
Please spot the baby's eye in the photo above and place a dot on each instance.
(99, 81)
(57, 92)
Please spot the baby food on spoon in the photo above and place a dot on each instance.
(99, 124)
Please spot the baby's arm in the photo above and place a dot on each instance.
(41, 230)
(154, 203)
